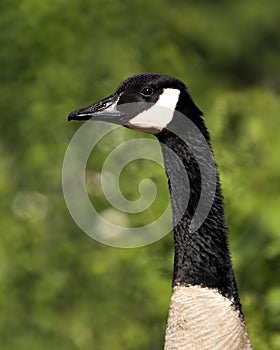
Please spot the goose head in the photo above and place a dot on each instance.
(144, 102)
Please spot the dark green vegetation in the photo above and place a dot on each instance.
(60, 289)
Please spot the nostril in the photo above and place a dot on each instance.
(99, 106)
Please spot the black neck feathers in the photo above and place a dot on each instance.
(201, 257)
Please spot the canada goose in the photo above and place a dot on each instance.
(205, 310)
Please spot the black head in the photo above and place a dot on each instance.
(144, 102)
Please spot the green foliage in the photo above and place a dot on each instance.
(62, 290)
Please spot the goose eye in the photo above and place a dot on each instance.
(147, 91)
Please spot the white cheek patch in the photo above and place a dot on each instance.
(156, 118)
(112, 108)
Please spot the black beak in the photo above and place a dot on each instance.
(104, 110)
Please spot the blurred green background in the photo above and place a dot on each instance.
(61, 289)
